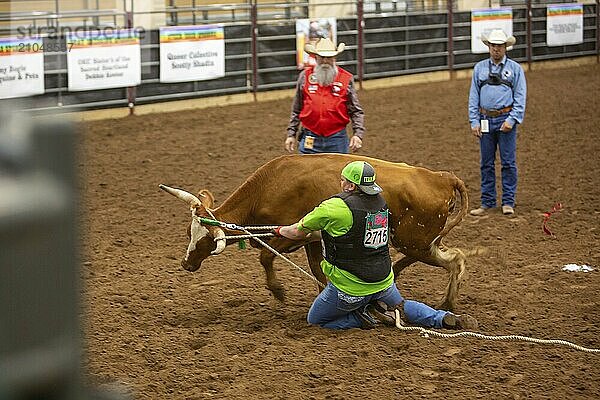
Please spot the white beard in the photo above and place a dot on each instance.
(325, 74)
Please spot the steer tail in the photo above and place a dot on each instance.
(461, 195)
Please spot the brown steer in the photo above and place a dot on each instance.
(286, 188)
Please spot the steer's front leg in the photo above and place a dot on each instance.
(282, 245)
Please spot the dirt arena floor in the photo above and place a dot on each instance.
(160, 332)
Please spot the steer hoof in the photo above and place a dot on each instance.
(278, 292)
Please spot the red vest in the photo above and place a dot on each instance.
(324, 110)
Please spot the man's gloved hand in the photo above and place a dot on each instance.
(277, 232)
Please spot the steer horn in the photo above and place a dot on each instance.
(221, 241)
(181, 194)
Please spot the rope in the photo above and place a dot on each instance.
(247, 229)
(424, 332)
(261, 228)
(232, 227)
(427, 332)
(271, 249)
(250, 236)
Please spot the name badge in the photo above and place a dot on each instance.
(309, 142)
(485, 126)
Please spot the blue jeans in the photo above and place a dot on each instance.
(336, 143)
(506, 142)
(335, 309)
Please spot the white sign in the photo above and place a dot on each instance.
(486, 20)
(192, 53)
(310, 31)
(104, 60)
(564, 24)
(21, 67)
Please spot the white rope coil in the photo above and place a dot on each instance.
(428, 332)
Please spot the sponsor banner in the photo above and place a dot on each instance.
(310, 31)
(21, 67)
(102, 60)
(564, 24)
(484, 21)
(192, 53)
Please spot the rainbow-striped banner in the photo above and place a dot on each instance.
(19, 46)
(564, 24)
(491, 14)
(483, 21)
(191, 33)
(192, 53)
(102, 60)
(554, 10)
(21, 67)
(87, 39)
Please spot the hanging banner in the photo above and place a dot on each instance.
(21, 67)
(102, 60)
(564, 24)
(192, 53)
(310, 31)
(486, 20)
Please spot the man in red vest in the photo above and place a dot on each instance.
(325, 102)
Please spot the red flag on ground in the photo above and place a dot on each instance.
(547, 215)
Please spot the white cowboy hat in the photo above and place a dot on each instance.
(324, 48)
(497, 36)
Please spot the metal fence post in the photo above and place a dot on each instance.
(254, 49)
(360, 50)
(529, 35)
(450, 38)
(131, 90)
(59, 102)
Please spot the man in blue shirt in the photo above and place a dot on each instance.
(496, 105)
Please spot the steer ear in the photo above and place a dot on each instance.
(208, 200)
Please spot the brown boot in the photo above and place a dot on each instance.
(459, 322)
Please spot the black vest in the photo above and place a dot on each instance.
(363, 250)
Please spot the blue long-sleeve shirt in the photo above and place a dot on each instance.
(497, 97)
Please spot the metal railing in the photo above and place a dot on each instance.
(383, 39)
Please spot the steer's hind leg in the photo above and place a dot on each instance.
(453, 260)
(455, 265)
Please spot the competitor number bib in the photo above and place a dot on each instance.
(376, 230)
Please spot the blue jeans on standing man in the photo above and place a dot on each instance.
(506, 143)
(336, 143)
(335, 309)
